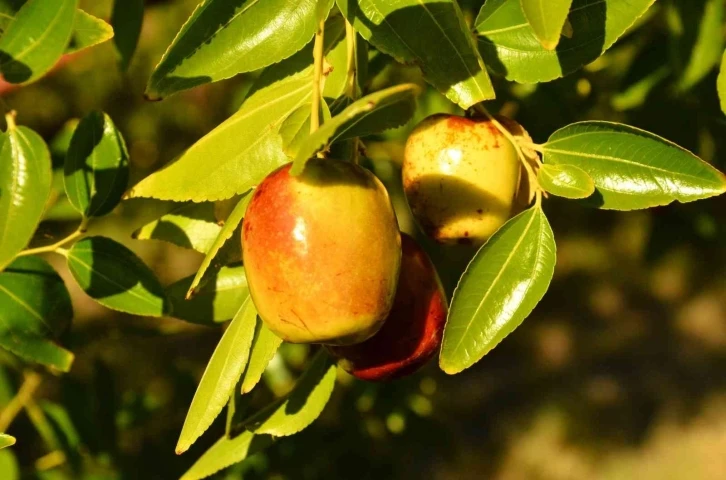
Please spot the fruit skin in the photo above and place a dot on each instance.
(460, 176)
(322, 253)
(412, 333)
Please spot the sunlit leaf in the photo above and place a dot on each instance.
(35, 309)
(566, 181)
(264, 347)
(115, 277)
(722, 83)
(510, 47)
(35, 40)
(25, 180)
(88, 31)
(96, 166)
(225, 452)
(506, 279)
(223, 38)
(127, 17)
(192, 225)
(547, 19)
(429, 33)
(632, 168)
(708, 44)
(303, 405)
(216, 300)
(223, 370)
(6, 440)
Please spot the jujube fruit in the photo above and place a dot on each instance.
(412, 333)
(460, 176)
(322, 253)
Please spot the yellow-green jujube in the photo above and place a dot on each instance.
(460, 176)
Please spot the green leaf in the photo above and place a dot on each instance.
(36, 39)
(191, 225)
(6, 440)
(230, 226)
(264, 347)
(236, 155)
(303, 405)
(632, 168)
(223, 370)
(115, 277)
(25, 180)
(88, 31)
(97, 166)
(127, 17)
(9, 465)
(429, 33)
(225, 452)
(510, 47)
(506, 279)
(707, 47)
(373, 113)
(217, 300)
(566, 181)
(722, 83)
(547, 18)
(223, 38)
(35, 308)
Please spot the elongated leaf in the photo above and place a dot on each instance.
(546, 19)
(126, 18)
(88, 31)
(36, 39)
(429, 33)
(722, 83)
(632, 168)
(236, 155)
(96, 168)
(383, 109)
(225, 452)
(6, 440)
(510, 47)
(223, 38)
(707, 47)
(303, 405)
(217, 300)
(35, 308)
(223, 370)
(566, 181)
(506, 279)
(191, 225)
(264, 347)
(225, 234)
(25, 180)
(115, 277)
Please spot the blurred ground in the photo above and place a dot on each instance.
(618, 374)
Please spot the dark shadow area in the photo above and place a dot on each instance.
(13, 70)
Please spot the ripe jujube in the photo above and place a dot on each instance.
(322, 253)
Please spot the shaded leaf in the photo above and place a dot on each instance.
(547, 19)
(223, 38)
(97, 166)
(708, 44)
(115, 277)
(510, 47)
(429, 33)
(35, 308)
(216, 300)
(126, 18)
(192, 225)
(264, 347)
(88, 31)
(225, 452)
(303, 405)
(35, 40)
(25, 181)
(632, 168)
(6, 440)
(566, 181)
(506, 279)
(221, 375)
(375, 112)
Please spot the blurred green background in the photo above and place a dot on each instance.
(620, 372)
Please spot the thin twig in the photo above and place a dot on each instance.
(318, 59)
(25, 393)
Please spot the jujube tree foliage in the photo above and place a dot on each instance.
(300, 240)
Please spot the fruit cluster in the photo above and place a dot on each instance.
(326, 262)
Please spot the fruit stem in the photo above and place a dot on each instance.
(56, 247)
(318, 59)
(10, 119)
(352, 72)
